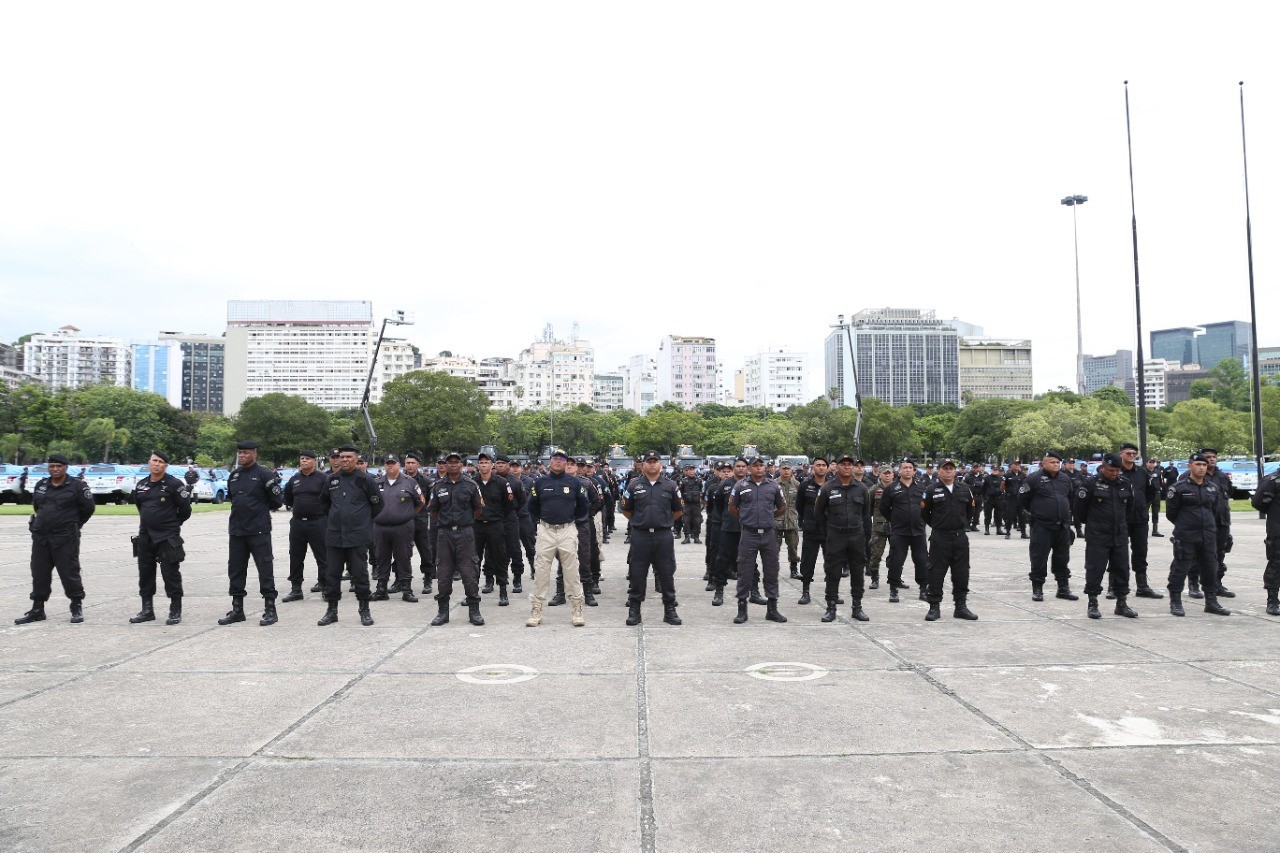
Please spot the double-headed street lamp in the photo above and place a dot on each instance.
(1074, 201)
(401, 318)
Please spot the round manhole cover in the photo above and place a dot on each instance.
(497, 673)
(785, 671)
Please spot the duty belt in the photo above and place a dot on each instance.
(654, 529)
(307, 517)
(456, 526)
(557, 526)
(759, 531)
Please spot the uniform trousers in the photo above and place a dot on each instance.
(879, 539)
(792, 538)
(353, 560)
(948, 550)
(239, 549)
(844, 548)
(556, 541)
(763, 542)
(1271, 575)
(150, 553)
(306, 533)
(456, 549)
(1099, 558)
(422, 542)
(528, 538)
(712, 544)
(810, 547)
(692, 519)
(584, 558)
(511, 535)
(992, 508)
(491, 546)
(1047, 539)
(61, 551)
(1194, 558)
(394, 543)
(656, 547)
(726, 556)
(1138, 546)
(899, 546)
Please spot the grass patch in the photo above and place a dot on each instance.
(112, 509)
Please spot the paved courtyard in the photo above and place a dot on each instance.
(1034, 728)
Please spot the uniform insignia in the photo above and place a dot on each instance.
(566, 490)
(1024, 489)
(1171, 490)
(1083, 493)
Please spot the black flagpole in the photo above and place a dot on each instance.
(1137, 291)
(1253, 303)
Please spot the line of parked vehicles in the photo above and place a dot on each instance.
(112, 483)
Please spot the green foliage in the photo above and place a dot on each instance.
(934, 431)
(1201, 389)
(887, 432)
(216, 440)
(1230, 385)
(431, 412)
(282, 425)
(1081, 429)
(1112, 394)
(663, 428)
(1204, 423)
(983, 426)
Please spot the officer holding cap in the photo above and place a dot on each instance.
(164, 503)
(306, 526)
(1046, 496)
(254, 493)
(652, 504)
(62, 505)
(402, 500)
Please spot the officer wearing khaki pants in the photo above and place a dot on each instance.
(555, 500)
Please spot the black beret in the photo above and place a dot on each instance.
(57, 459)
(1113, 460)
(1053, 454)
(1199, 457)
(348, 448)
(164, 457)
(412, 455)
(1129, 445)
(484, 456)
(501, 457)
(1207, 450)
(307, 453)
(246, 445)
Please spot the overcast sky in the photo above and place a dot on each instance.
(743, 170)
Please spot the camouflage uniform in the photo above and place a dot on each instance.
(788, 524)
(879, 532)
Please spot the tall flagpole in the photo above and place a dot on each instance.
(1137, 290)
(1253, 303)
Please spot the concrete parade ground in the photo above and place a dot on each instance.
(1034, 728)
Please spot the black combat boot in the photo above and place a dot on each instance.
(319, 587)
(1193, 587)
(426, 585)
(1175, 604)
(1093, 611)
(710, 583)
(1123, 609)
(35, 614)
(795, 571)
(633, 614)
(1211, 605)
(380, 592)
(924, 594)
(669, 614)
(515, 585)
(1037, 591)
(718, 598)
(146, 614)
(697, 539)
(1145, 591)
(366, 618)
(804, 593)
(875, 580)
(398, 586)
(588, 597)
(77, 612)
(1273, 602)
(236, 613)
(858, 613)
(893, 594)
(330, 614)
(595, 587)
(556, 600)
(1008, 532)
(756, 597)
(488, 585)
(986, 530)
(1023, 534)
(473, 613)
(295, 594)
(503, 601)
(935, 612)
(1064, 592)
(175, 611)
(1111, 590)
(1223, 592)
(844, 573)
(443, 616)
(687, 540)
(771, 611)
(406, 593)
(742, 612)
(269, 615)
(962, 611)
(830, 614)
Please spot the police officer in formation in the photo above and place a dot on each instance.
(843, 512)
(306, 526)
(715, 518)
(556, 499)
(528, 531)
(1192, 507)
(402, 502)
(945, 506)
(511, 523)
(1145, 490)
(690, 486)
(993, 501)
(811, 541)
(62, 506)
(880, 530)
(1264, 501)
(164, 503)
(726, 565)
(255, 493)
(900, 506)
(1156, 476)
(422, 521)
(788, 524)
(754, 502)
(1046, 497)
(652, 505)
(1224, 540)
(491, 526)
(1107, 506)
(455, 504)
(1011, 489)
(351, 501)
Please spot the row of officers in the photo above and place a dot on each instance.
(455, 521)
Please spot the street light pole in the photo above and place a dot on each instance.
(857, 393)
(1074, 201)
(1256, 377)
(401, 319)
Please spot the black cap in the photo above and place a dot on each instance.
(819, 459)
(844, 458)
(164, 457)
(412, 454)
(449, 457)
(1053, 454)
(559, 453)
(947, 463)
(483, 455)
(502, 457)
(689, 465)
(57, 459)
(361, 458)
(307, 453)
(1112, 459)
(1129, 445)
(1195, 457)
(756, 460)
(651, 455)
(389, 458)
(246, 445)
(333, 454)
(348, 448)
(1207, 450)
(741, 459)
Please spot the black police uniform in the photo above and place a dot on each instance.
(653, 508)
(402, 502)
(947, 512)
(726, 565)
(1047, 499)
(192, 476)
(810, 542)
(491, 527)
(993, 502)
(714, 516)
(1108, 509)
(511, 528)
(454, 506)
(757, 505)
(1144, 488)
(163, 505)
(1192, 509)
(302, 495)
(842, 514)
(1156, 495)
(1264, 501)
(1013, 517)
(900, 506)
(60, 512)
(691, 493)
(422, 534)
(528, 530)
(254, 493)
(351, 501)
(977, 483)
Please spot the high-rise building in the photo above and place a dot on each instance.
(774, 379)
(203, 365)
(992, 368)
(551, 373)
(1175, 345)
(1103, 370)
(69, 359)
(687, 371)
(317, 350)
(1222, 341)
(608, 394)
(395, 359)
(157, 369)
(12, 376)
(1155, 382)
(454, 365)
(903, 356)
(639, 385)
(1177, 382)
